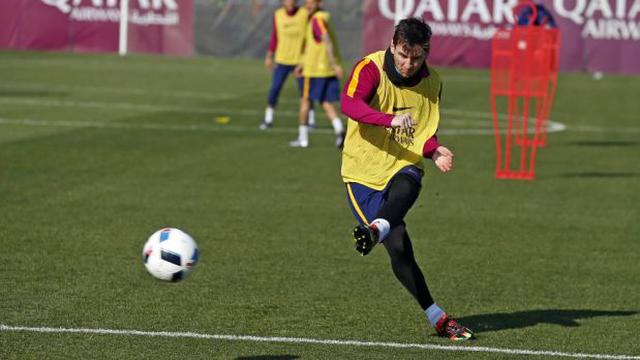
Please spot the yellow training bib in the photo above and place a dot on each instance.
(291, 33)
(372, 154)
(316, 61)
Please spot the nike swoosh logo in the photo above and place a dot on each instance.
(401, 108)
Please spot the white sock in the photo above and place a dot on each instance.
(303, 134)
(337, 125)
(268, 115)
(383, 227)
(434, 313)
(312, 117)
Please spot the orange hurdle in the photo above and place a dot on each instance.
(524, 75)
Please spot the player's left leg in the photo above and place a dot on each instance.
(389, 229)
(303, 129)
(403, 263)
(311, 118)
(400, 250)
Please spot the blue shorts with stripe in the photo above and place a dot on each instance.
(322, 89)
(365, 201)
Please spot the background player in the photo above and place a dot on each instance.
(287, 39)
(321, 69)
(392, 100)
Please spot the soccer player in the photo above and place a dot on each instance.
(392, 100)
(322, 71)
(287, 38)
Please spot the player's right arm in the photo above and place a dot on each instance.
(358, 92)
(273, 43)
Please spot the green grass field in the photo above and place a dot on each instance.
(97, 152)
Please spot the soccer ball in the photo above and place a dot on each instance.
(170, 254)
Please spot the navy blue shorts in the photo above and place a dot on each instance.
(321, 89)
(365, 201)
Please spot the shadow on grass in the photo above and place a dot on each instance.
(268, 357)
(599, 174)
(522, 319)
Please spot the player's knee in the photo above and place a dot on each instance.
(395, 243)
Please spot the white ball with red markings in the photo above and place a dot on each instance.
(170, 254)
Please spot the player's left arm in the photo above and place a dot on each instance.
(297, 71)
(321, 28)
(442, 157)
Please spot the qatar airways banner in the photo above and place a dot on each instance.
(155, 26)
(596, 35)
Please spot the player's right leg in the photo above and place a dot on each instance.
(310, 93)
(311, 118)
(364, 203)
(387, 211)
(280, 73)
(303, 131)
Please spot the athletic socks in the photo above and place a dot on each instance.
(383, 227)
(268, 115)
(311, 118)
(337, 126)
(303, 134)
(434, 314)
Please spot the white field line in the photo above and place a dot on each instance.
(117, 90)
(472, 116)
(123, 106)
(212, 96)
(475, 116)
(293, 340)
(189, 109)
(553, 127)
(147, 126)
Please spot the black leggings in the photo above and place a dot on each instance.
(403, 192)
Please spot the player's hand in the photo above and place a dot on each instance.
(443, 158)
(268, 63)
(298, 71)
(403, 121)
(339, 71)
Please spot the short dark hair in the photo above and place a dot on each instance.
(413, 31)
